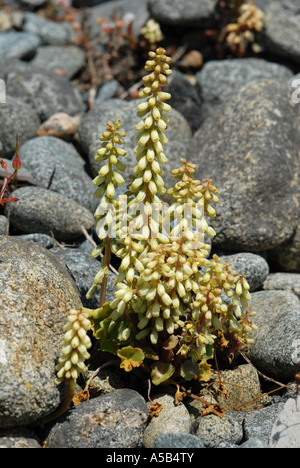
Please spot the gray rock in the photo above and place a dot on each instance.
(94, 123)
(172, 419)
(283, 281)
(282, 25)
(258, 189)
(218, 80)
(285, 432)
(36, 294)
(254, 267)
(44, 211)
(254, 443)
(33, 3)
(107, 10)
(276, 348)
(66, 59)
(16, 117)
(45, 241)
(20, 45)
(287, 255)
(227, 445)
(185, 98)
(258, 424)
(4, 223)
(18, 438)
(177, 441)
(49, 32)
(107, 91)
(47, 92)
(114, 420)
(213, 430)
(188, 14)
(83, 269)
(56, 165)
(86, 3)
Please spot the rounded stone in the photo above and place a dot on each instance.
(19, 437)
(20, 45)
(220, 79)
(44, 90)
(114, 420)
(172, 419)
(188, 14)
(254, 267)
(258, 187)
(177, 441)
(213, 430)
(43, 211)
(36, 294)
(276, 350)
(16, 117)
(56, 165)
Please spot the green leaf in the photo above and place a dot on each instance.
(130, 357)
(204, 371)
(108, 346)
(161, 372)
(189, 370)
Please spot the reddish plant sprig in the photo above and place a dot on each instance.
(16, 164)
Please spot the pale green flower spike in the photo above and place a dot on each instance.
(108, 180)
(174, 307)
(75, 345)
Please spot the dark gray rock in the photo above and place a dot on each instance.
(114, 420)
(16, 118)
(107, 91)
(254, 267)
(282, 25)
(18, 438)
(218, 80)
(45, 241)
(276, 348)
(33, 3)
(86, 3)
(66, 59)
(45, 91)
(56, 165)
(254, 443)
(36, 295)
(94, 123)
(138, 8)
(287, 255)
(83, 269)
(283, 281)
(185, 98)
(177, 441)
(188, 14)
(4, 223)
(19, 45)
(49, 32)
(44, 211)
(250, 150)
(258, 424)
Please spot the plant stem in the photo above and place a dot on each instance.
(106, 263)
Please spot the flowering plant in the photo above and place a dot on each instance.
(174, 307)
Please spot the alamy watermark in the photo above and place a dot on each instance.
(2, 92)
(155, 220)
(296, 93)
